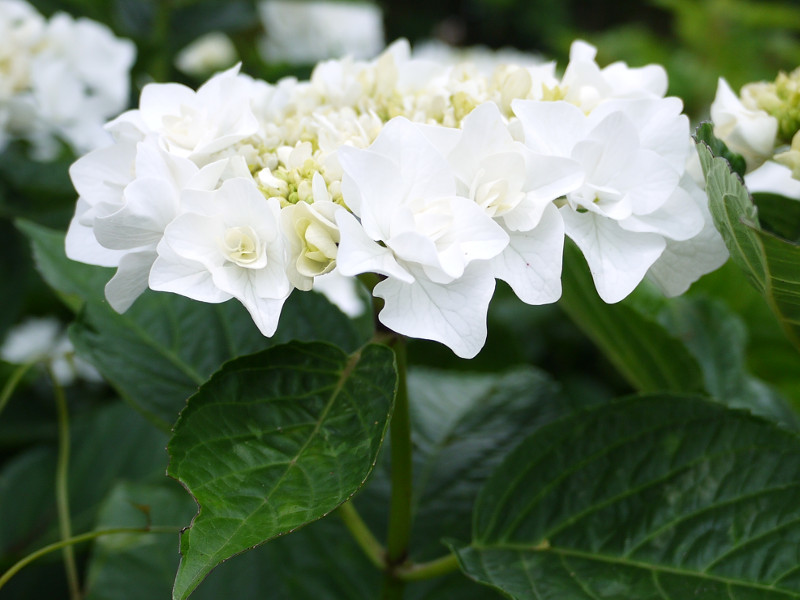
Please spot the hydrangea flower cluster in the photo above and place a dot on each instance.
(436, 177)
(60, 79)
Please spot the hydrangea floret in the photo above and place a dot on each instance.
(438, 176)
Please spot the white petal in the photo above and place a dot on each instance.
(551, 128)
(360, 254)
(172, 273)
(531, 264)
(453, 314)
(618, 259)
(82, 245)
(130, 280)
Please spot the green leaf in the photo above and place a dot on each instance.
(705, 133)
(661, 496)
(274, 441)
(779, 215)
(159, 351)
(75, 281)
(772, 264)
(642, 350)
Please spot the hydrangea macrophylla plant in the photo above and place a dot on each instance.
(437, 177)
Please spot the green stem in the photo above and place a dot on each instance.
(11, 383)
(399, 532)
(84, 537)
(363, 536)
(435, 568)
(62, 488)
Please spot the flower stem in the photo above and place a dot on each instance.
(84, 537)
(11, 384)
(399, 532)
(435, 568)
(62, 488)
(373, 549)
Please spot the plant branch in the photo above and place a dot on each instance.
(11, 383)
(62, 487)
(373, 549)
(427, 570)
(84, 537)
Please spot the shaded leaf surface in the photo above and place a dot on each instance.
(274, 441)
(661, 497)
(643, 351)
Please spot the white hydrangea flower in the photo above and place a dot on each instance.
(44, 339)
(516, 187)
(310, 31)
(227, 244)
(749, 132)
(630, 201)
(432, 245)
(192, 124)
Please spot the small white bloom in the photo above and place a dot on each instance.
(228, 244)
(43, 339)
(431, 244)
(211, 52)
(749, 132)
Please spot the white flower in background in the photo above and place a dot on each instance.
(228, 244)
(431, 244)
(750, 132)
(773, 178)
(207, 54)
(193, 124)
(342, 291)
(60, 79)
(304, 32)
(43, 339)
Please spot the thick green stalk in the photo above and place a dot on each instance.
(373, 549)
(428, 570)
(62, 488)
(399, 532)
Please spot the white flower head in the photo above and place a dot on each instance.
(192, 124)
(630, 202)
(431, 244)
(228, 244)
(749, 132)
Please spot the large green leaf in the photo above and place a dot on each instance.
(649, 357)
(662, 496)
(274, 441)
(159, 352)
(771, 263)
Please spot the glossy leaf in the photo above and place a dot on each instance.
(274, 441)
(662, 496)
(771, 263)
(643, 351)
